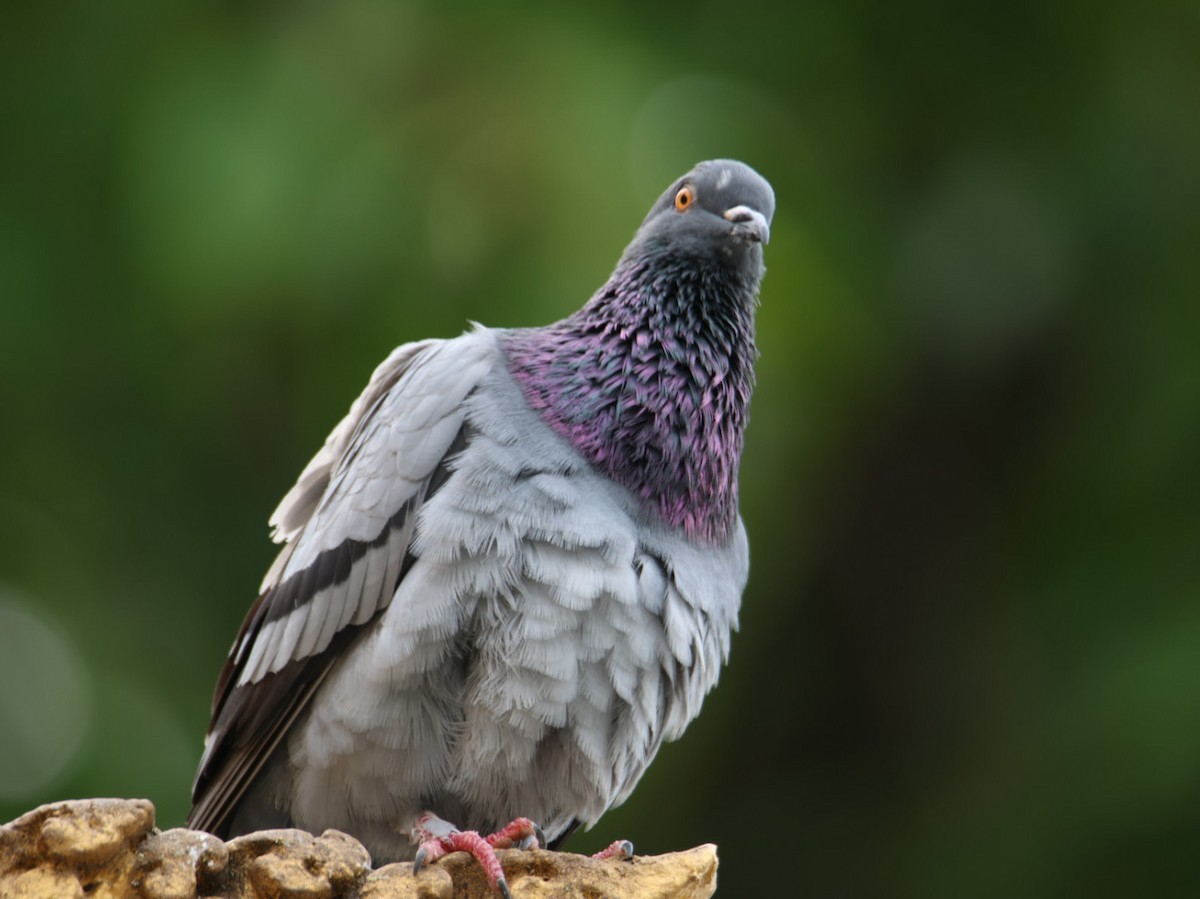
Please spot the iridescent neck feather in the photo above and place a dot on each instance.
(651, 383)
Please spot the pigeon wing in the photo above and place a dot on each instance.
(347, 526)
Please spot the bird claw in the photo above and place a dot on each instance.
(438, 837)
(521, 833)
(622, 849)
(535, 840)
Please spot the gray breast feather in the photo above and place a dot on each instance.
(547, 637)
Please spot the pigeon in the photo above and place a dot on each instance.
(512, 570)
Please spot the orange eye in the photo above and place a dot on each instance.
(685, 198)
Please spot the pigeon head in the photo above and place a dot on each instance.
(651, 380)
(720, 210)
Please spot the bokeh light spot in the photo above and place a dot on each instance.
(986, 262)
(44, 710)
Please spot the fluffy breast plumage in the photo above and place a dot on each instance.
(545, 640)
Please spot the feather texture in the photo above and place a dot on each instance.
(513, 569)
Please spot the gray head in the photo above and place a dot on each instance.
(720, 209)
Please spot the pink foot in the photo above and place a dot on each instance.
(622, 849)
(521, 833)
(437, 838)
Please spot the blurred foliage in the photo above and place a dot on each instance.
(969, 661)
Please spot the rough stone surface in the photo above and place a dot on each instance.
(172, 864)
(74, 848)
(110, 849)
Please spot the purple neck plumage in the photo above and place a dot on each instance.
(651, 382)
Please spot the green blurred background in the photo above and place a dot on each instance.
(969, 661)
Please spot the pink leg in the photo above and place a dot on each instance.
(437, 838)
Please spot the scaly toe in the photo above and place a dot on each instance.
(438, 837)
(622, 849)
(521, 833)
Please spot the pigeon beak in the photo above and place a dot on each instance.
(753, 223)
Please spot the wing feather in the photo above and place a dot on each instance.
(348, 524)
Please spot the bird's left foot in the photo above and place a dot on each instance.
(622, 849)
(437, 837)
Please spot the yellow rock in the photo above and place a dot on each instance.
(92, 834)
(42, 883)
(108, 849)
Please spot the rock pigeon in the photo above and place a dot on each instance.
(513, 568)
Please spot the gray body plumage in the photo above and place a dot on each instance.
(468, 617)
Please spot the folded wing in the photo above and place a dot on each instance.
(348, 525)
